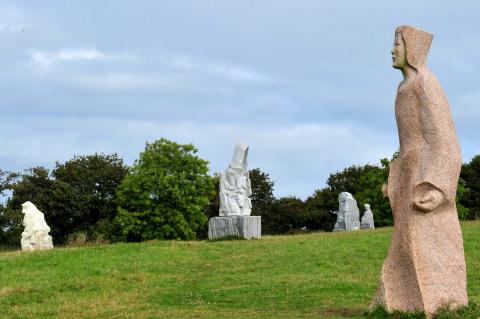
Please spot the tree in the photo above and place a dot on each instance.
(287, 214)
(463, 192)
(34, 185)
(10, 221)
(92, 182)
(165, 193)
(319, 210)
(78, 196)
(370, 185)
(470, 192)
(348, 179)
(262, 192)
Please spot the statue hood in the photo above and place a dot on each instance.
(344, 195)
(417, 44)
(239, 159)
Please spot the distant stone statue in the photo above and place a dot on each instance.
(235, 203)
(35, 235)
(367, 218)
(425, 266)
(348, 214)
(235, 188)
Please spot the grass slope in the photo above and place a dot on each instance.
(320, 275)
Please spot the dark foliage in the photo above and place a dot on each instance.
(78, 196)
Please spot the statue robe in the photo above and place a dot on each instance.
(425, 266)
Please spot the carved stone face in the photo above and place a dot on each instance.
(399, 52)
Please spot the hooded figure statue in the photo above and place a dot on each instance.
(235, 188)
(425, 266)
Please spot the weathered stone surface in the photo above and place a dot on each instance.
(348, 214)
(35, 235)
(247, 227)
(367, 218)
(425, 266)
(235, 189)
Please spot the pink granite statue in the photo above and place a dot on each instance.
(425, 266)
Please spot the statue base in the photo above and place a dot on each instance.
(247, 227)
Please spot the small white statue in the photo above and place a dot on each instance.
(35, 235)
(235, 188)
(367, 218)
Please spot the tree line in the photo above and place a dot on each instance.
(168, 194)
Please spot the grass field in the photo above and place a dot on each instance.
(318, 275)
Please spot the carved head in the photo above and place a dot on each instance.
(343, 196)
(239, 159)
(28, 207)
(415, 44)
(367, 207)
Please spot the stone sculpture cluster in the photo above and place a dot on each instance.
(348, 214)
(35, 235)
(235, 203)
(425, 266)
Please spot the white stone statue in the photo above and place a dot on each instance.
(367, 218)
(235, 188)
(35, 235)
(348, 215)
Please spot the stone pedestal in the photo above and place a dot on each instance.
(247, 227)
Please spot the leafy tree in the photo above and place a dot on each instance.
(91, 182)
(319, 208)
(470, 192)
(213, 208)
(165, 193)
(462, 192)
(10, 221)
(34, 185)
(287, 214)
(262, 192)
(348, 179)
(78, 196)
(370, 185)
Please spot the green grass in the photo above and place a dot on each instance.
(319, 275)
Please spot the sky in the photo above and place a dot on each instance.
(308, 85)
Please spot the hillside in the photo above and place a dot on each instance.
(319, 275)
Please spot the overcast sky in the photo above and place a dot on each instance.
(307, 84)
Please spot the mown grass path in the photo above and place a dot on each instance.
(320, 275)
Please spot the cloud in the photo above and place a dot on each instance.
(128, 70)
(11, 20)
(299, 156)
(227, 71)
(45, 59)
(121, 81)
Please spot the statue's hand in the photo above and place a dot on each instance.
(427, 197)
(385, 190)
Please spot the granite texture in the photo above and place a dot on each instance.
(235, 189)
(35, 235)
(348, 214)
(425, 266)
(367, 221)
(247, 227)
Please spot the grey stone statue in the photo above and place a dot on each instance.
(348, 215)
(367, 218)
(235, 203)
(235, 189)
